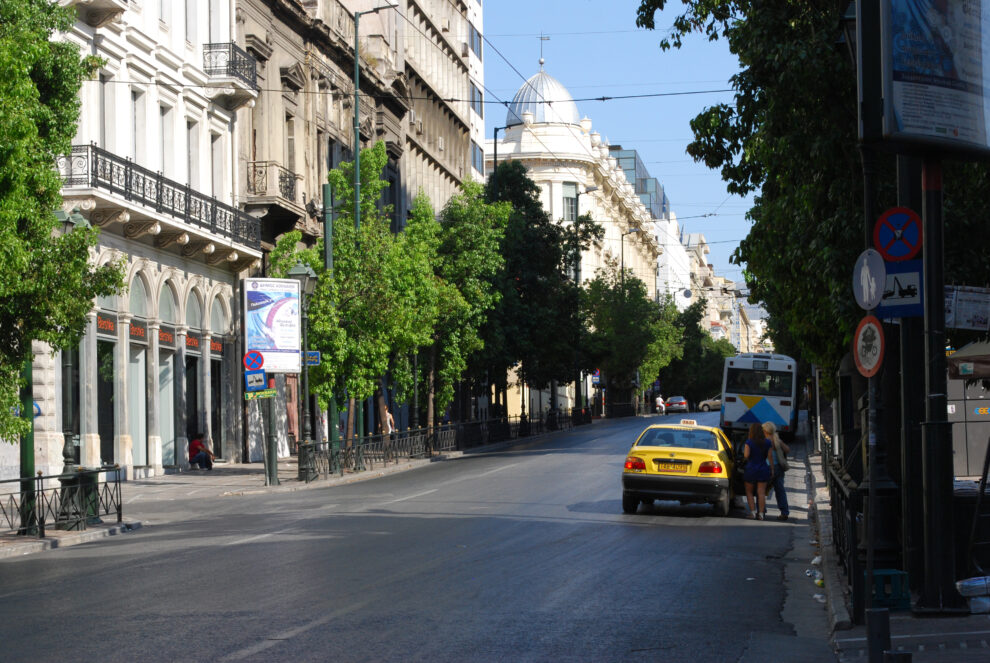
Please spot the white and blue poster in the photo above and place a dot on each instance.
(272, 322)
(934, 73)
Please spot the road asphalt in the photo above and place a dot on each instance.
(928, 639)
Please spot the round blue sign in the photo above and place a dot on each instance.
(897, 234)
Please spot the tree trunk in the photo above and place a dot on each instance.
(431, 385)
(382, 416)
(349, 426)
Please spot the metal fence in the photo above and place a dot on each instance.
(846, 501)
(321, 459)
(63, 501)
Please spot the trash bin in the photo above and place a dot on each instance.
(307, 461)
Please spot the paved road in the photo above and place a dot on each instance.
(516, 555)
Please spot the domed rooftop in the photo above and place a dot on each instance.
(544, 97)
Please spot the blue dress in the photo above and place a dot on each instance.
(757, 468)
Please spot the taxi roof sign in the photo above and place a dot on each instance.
(689, 422)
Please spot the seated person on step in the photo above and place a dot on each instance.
(200, 454)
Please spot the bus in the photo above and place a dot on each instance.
(757, 388)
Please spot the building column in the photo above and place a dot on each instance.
(154, 403)
(181, 441)
(205, 397)
(89, 430)
(123, 449)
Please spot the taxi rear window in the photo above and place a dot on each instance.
(673, 437)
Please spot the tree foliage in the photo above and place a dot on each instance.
(629, 333)
(380, 302)
(536, 324)
(47, 284)
(696, 373)
(790, 135)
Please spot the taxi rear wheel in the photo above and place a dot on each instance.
(629, 503)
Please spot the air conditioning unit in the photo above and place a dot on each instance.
(464, 49)
(440, 143)
(412, 118)
(419, 127)
(445, 25)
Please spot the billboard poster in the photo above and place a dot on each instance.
(970, 309)
(934, 73)
(272, 322)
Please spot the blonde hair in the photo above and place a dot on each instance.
(770, 429)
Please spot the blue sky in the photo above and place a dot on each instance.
(596, 50)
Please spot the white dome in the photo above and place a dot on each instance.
(544, 97)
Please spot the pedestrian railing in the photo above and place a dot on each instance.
(64, 501)
(847, 522)
(321, 459)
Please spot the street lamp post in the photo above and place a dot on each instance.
(579, 381)
(495, 160)
(307, 284)
(332, 422)
(359, 405)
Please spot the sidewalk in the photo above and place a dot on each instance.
(929, 639)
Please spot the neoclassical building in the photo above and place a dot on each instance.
(576, 174)
(153, 165)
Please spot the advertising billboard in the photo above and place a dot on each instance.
(935, 73)
(272, 322)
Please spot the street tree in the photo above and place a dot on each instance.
(468, 259)
(380, 303)
(789, 135)
(630, 335)
(697, 372)
(536, 325)
(47, 282)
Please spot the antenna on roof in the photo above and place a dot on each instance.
(543, 38)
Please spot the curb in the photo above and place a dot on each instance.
(30, 546)
(820, 510)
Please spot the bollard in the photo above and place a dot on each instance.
(877, 634)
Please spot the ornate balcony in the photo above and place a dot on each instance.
(151, 200)
(233, 74)
(96, 13)
(274, 188)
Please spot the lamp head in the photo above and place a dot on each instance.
(306, 277)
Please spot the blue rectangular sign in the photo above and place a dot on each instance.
(903, 296)
(313, 357)
(255, 380)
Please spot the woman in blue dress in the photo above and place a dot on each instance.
(758, 470)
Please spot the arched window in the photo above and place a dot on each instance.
(139, 298)
(194, 312)
(218, 321)
(166, 306)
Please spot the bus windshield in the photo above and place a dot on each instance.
(767, 383)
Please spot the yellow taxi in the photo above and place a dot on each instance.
(684, 462)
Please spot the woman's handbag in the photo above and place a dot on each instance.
(781, 458)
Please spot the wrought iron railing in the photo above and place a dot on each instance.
(320, 459)
(64, 501)
(92, 166)
(847, 523)
(264, 178)
(230, 60)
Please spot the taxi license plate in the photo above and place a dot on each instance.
(672, 467)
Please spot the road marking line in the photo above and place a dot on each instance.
(410, 497)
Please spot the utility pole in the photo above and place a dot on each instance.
(332, 423)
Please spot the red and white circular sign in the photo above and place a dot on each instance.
(868, 346)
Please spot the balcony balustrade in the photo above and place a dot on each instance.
(235, 70)
(269, 179)
(89, 166)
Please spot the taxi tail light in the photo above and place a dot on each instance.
(710, 467)
(633, 463)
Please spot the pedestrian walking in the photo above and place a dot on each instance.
(758, 470)
(779, 451)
